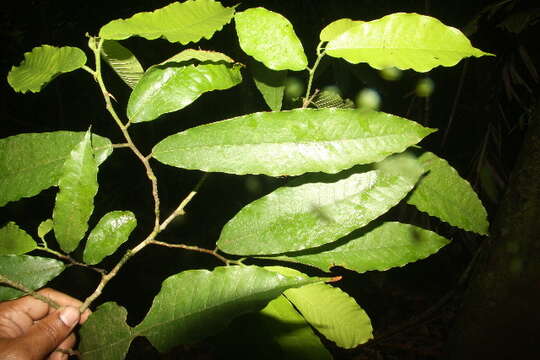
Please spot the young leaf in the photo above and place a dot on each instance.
(405, 41)
(290, 142)
(44, 228)
(389, 245)
(105, 335)
(316, 213)
(444, 194)
(15, 241)
(171, 87)
(199, 55)
(270, 38)
(30, 271)
(198, 303)
(270, 83)
(123, 62)
(178, 22)
(336, 28)
(111, 231)
(42, 65)
(75, 199)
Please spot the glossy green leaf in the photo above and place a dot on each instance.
(290, 142)
(111, 231)
(14, 240)
(184, 22)
(402, 40)
(389, 245)
(198, 303)
(270, 83)
(75, 200)
(44, 228)
(30, 163)
(171, 87)
(336, 28)
(199, 55)
(42, 65)
(30, 271)
(105, 335)
(270, 38)
(444, 194)
(123, 62)
(315, 213)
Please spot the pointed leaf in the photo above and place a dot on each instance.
(444, 194)
(270, 83)
(15, 241)
(270, 38)
(405, 41)
(171, 87)
(30, 163)
(44, 228)
(290, 142)
(105, 335)
(389, 245)
(75, 199)
(123, 62)
(198, 303)
(30, 271)
(199, 55)
(42, 65)
(316, 213)
(178, 22)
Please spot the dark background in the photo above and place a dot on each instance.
(481, 107)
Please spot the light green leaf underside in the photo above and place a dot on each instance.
(44, 228)
(178, 22)
(30, 163)
(167, 88)
(270, 38)
(15, 241)
(199, 55)
(389, 245)
(290, 142)
(330, 99)
(446, 195)
(75, 199)
(309, 215)
(336, 28)
(30, 271)
(110, 232)
(198, 303)
(42, 65)
(105, 335)
(123, 62)
(402, 40)
(270, 83)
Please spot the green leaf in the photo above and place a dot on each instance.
(336, 28)
(171, 87)
(290, 142)
(178, 22)
(105, 335)
(198, 303)
(42, 65)
(405, 41)
(30, 163)
(30, 271)
(444, 194)
(331, 99)
(315, 213)
(270, 83)
(111, 231)
(199, 55)
(123, 62)
(270, 38)
(15, 241)
(388, 245)
(75, 199)
(44, 228)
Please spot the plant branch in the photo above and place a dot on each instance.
(29, 291)
(69, 259)
(192, 248)
(308, 98)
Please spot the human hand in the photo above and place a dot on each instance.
(30, 329)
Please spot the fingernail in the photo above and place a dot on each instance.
(69, 316)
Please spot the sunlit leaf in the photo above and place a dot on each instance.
(270, 83)
(44, 228)
(123, 62)
(444, 194)
(111, 231)
(75, 199)
(30, 163)
(184, 22)
(336, 28)
(31, 271)
(270, 38)
(42, 65)
(290, 142)
(402, 40)
(14, 240)
(199, 55)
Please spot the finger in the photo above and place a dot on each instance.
(26, 309)
(60, 298)
(67, 344)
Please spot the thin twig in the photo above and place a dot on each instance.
(29, 291)
(69, 259)
(193, 248)
(320, 54)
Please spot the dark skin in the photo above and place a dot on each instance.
(30, 329)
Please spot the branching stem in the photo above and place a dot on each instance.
(69, 259)
(28, 291)
(193, 248)
(308, 98)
